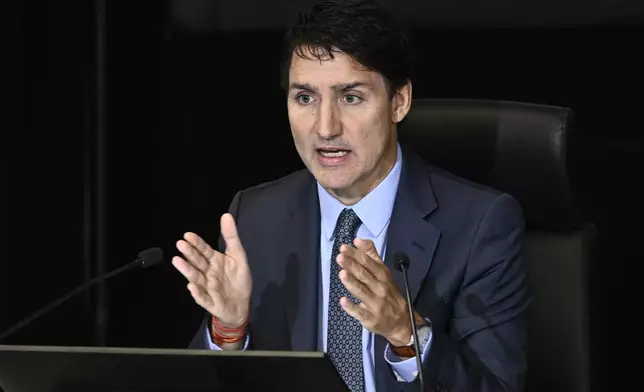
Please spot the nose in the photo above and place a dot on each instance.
(328, 121)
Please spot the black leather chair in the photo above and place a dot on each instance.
(520, 148)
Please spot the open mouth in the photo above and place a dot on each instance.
(332, 152)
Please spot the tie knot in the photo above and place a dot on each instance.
(347, 225)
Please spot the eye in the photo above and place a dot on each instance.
(352, 99)
(304, 99)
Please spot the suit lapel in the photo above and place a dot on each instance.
(411, 233)
(416, 238)
(302, 264)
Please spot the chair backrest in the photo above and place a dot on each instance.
(520, 148)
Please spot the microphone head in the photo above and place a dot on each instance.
(150, 257)
(401, 260)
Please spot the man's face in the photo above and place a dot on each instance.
(343, 122)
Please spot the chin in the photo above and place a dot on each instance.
(334, 181)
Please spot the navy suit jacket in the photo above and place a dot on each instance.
(466, 274)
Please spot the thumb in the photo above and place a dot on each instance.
(234, 246)
(367, 247)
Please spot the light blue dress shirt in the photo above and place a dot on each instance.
(374, 211)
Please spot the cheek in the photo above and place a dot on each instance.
(372, 130)
(301, 126)
(296, 120)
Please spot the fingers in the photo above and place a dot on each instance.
(191, 273)
(368, 247)
(190, 250)
(368, 259)
(357, 311)
(359, 289)
(201, 245)
(355, 269)
(234, 246)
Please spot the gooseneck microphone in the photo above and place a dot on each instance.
(401, 262)
(146, 258)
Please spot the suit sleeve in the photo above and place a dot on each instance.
(483, 347)
(202, 340)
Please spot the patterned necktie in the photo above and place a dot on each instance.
(344, 336)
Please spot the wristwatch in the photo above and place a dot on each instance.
(424, 332)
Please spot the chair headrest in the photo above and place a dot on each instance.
(517, 148)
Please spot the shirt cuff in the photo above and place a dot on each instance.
(214, 347)
(406, 370)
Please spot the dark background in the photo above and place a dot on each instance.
(193, 112)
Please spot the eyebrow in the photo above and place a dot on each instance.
(336, 88)
(305, 87)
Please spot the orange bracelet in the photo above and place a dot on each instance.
(218, 339)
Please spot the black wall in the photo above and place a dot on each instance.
(193, 115)
(45, 93)
(276, 14)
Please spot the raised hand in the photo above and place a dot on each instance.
(221, 283)
(382, 309)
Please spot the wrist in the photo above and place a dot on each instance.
(424, 331)
(227, 327)
(403, 334)
(226, 335)
(401, 337)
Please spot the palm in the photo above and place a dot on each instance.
(228, 283)
(220, 283)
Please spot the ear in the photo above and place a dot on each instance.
(401, 102)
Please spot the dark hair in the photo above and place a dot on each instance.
(359, 28)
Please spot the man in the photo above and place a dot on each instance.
(300, 262)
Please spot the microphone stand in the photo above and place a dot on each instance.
(419, 362)
(146, 259)
(46, 309)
